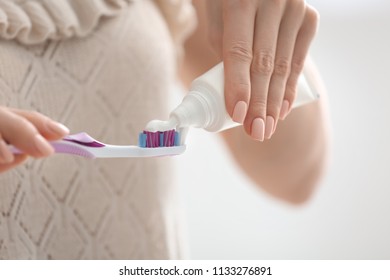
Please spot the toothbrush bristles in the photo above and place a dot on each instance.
(169, 138)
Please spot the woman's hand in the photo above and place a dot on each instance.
(263, 44)
(29, 132)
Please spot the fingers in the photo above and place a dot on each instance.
(277, 104)
(6, 156)
(283, 32)
(28, 131)
(7, 159)
(48, 128)
(268, 17)
(237, 55)
(301, 49)
(17, 131)
(18, 159)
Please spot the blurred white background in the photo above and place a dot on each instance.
(349, 215)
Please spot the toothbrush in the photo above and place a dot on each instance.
(151, 144)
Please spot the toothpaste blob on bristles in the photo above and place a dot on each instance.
(149, 139)
(159, 134)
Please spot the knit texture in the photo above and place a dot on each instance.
(107, 73)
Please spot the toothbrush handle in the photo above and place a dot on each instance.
(63, 147)
(81, 144)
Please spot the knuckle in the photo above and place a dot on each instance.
(240, 89)
(263, 62)
(241, 51)
(258, 107)
(312, 16)
(282, 67)
(37, 115)
(291, 91)
(20, 129)
(297, 65)
(24, 124)
(273, 106)
(290, 99)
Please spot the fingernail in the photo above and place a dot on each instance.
(57, 128)
(5, 154)
(43, 146)
(284, 110)
(239, 112)
(257, 129)
(269, 126)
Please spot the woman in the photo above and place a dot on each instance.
(106, 67)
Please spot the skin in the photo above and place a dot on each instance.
(290, 164)
(29, 132)
(264, 45)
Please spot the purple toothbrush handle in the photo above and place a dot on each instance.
(61, 147)
(84, 139)
(66, 145)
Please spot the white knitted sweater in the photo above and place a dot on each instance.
(104, 67)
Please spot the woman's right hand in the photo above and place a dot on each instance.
(28, 131)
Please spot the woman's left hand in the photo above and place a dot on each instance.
(263, 44)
